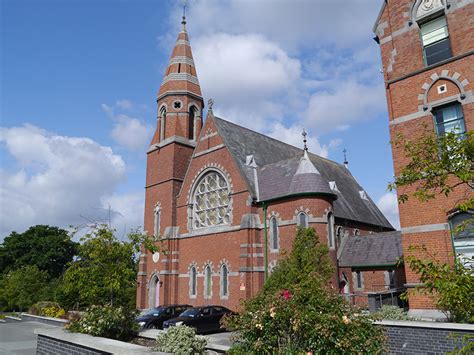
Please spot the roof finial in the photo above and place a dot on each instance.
(210, 103)
(183, 22)
(346, 163)
(304, 134)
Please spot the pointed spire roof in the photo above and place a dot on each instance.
(180, 75)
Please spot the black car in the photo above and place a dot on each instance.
(202, 319)
(154, 317)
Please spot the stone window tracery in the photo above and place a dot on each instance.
(211, 201)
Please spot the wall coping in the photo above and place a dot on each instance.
(57, 320)
(433, 325)
(92, 342)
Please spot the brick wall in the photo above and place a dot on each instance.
(411, 89)
(405, 337)
(47, 346)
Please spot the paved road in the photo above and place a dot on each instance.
(19, 338)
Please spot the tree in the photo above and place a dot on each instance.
(23, 287)
(49, 248)
(298, 312)
(437, 165)
(105, 270)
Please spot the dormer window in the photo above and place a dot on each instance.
(363, 195)
(435, 39)
(333, 186)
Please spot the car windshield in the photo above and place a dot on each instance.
(152, 311)
(192, 312)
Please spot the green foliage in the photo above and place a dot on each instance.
(23, 287)
(453, 285)
(436, 166)
(47, 309)
(180, 340)
(104, 272)
(108, 322)
(390, 312)
(298, 312)
(49, 248)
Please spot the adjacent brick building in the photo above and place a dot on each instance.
(224, 201)
(428, 65)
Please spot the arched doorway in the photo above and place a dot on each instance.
(154, 291)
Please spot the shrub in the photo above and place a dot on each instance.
(181, 340)
(305, 314)
(47, 309)
(107, 321)
(390, 312)
(451, 285)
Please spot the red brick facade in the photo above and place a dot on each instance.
(413, 91)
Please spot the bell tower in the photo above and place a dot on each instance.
(179, 123)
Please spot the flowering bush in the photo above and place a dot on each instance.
(390, 312)
(298, 312)
(47, 309)
(181, 340)
(107, 321)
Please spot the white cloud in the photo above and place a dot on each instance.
(245, 75)
(128, 210)
(129, 132)
(293, 23)
(124, 104)
(350, 102)
(388, 204)
(57, 180)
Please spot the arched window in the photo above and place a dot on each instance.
(193, 282)
(207, 282)
(192, 115)
(462, 231)
(211, 201)
(339, 235)
(157, 217)
(163, 123)
(302, 220)
(274, 233)
(331, 231)
(224, 281)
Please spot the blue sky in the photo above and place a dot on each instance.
(80, 77)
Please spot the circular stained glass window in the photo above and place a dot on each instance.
(211, 201)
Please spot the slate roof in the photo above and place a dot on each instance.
(379, 249)
(277, 164)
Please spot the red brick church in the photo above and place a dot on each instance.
(225, 201)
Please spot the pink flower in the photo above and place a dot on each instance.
(286, 294)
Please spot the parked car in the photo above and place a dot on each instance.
(154, 317)
(202, 319)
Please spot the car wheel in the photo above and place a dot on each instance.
(151, 326)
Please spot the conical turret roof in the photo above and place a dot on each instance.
(307, 178)
(180, 75)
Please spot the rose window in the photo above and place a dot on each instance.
(211, 201)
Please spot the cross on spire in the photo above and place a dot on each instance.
(346, 163)
(304, 134)
(183, 22)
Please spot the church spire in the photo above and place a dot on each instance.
(180, 75)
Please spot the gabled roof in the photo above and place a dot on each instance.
(379, 249)
(277, 164)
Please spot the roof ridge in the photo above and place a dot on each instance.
(279, 141)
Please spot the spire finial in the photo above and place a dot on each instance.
(346, 163)
(183, 22)
(210, 103)
(304, 134)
